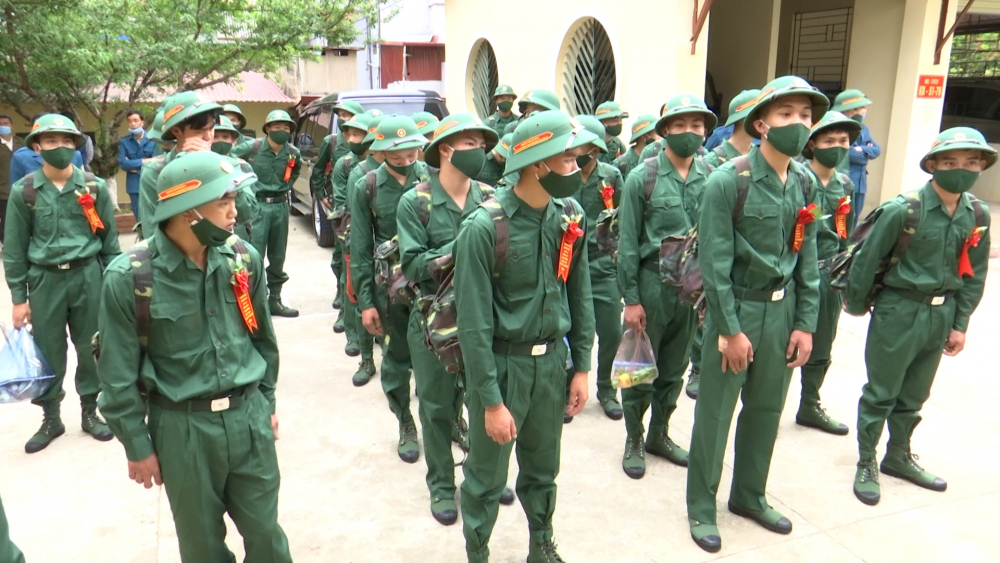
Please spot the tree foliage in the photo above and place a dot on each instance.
(79, 53)
(975, 55)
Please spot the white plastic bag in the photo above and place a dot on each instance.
(24, 373)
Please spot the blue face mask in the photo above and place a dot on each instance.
(136, 131)
(4, 130)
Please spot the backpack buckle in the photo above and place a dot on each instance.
(938, 300)
(778, 295)
(539, 349)
(219, 405)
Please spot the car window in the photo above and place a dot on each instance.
(313, 128)
(403, 107)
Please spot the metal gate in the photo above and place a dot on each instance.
(485, 78)
(589, 74)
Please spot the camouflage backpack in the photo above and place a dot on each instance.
(840, 265)
(606, 230)
(340, 219)
(388, 269)
(720, 152)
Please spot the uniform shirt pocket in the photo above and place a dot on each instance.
(179, 325)
(45, 223)
(520, 270)
(761, 226)
(667, 212)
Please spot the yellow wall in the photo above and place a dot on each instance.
(326, 75)
(738, 45)
(652, 65)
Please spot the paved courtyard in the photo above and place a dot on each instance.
(346, 497)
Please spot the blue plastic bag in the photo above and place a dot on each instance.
(24, 373)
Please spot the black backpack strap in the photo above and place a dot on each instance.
(742, 164)
(142, 285)
(371, 186)
(650, 180)
(978, 210)
(502, 229)
(423, 190)
(910, 225)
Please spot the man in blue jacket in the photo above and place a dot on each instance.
(854, 104)
(27, 159)
(134, 150)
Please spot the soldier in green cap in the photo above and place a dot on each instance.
(854, 104)
(189, 121)
(427, 124)
(496, 159)
(184, 319)
(373, 202)
(535, 100)
(757, 251)
(829, 141)
(737, 144)
(235, 115)
(334, 147)
(643, 134)
(226, 137)
(277, 164)
(60, 230)
(512, 317)
(155, 134)
(928, 294)
(660, 199)
(8, 551)
(503, 100)
(601, 191)
(610, 114)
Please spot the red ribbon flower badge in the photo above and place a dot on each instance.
(806, 215)
(608, 195)
(964, 265)
(843, 210)
(87, 203)
(288, 169)
(241, 285)
(571, 232)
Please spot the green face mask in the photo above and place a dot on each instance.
(59, 158)
(830, 156)
(359, 148)
(858, 117)
(401, 170)
(684, 144)
(208, 233)
(469, 162)
(222, 147)
(583, 160)
(559, 185)
(789, 140)
(279, 137)
(613, 130)
(340, 124)
(505, 106)
(955, 181)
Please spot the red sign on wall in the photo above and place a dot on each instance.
(930, 86)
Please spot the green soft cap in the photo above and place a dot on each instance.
(426, 122)
(780, 88)
(452, 125)
(683, 104)
(544, 135)
(541, 97)
(595, 126)
(196, 178)
(642, 125)
(830, 119)
(55, 123)
(741, 105)
(349, 105)
(609, 110)
(183, 106)
(958, 139)
(851, 98)
(397, 133)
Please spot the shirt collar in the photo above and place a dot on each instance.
(76, 179)
(173, 257)
(930, 199)
(761, 168)
(667, 168)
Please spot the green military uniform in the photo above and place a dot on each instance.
(496, 121)
(333, 148)
(671, 209)
(503, 318)
(756, 285)
(493, 169)
(53, 260)
(269, 230)
(373, 223)
(246, 204)
(427, 123)
(9, 553)
(828, 244)
(852, 98)
(605, 112)
(546, 99)
(428, 220)
(643, 125)
(603, 273)
(925, 297)
(210, 379)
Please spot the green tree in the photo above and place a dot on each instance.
(76, 53)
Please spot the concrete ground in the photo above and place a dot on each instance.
(346, 497)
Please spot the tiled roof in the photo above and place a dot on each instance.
(250, 87)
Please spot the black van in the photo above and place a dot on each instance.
(317, 120)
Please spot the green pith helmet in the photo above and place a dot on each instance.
(830, 119)
(593, 125)
(397, 133)
(233, 108)
(183, 106)
(959, 139)
(155, 133)
(779, 88)
(452, 125)
(682, 104)
(196, 178)
(609, 110)
(504, 148)
(226, 124)
(741, 105)
(373, 123)
(359, 121)
(544, 135)
(426, 122)
(279, 116)
(374, 112)
(502, 90)
(851, 98)
(348, 105)
(543, 98)
(55, 123)
(642, 125)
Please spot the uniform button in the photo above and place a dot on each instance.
(211, 313)
(547, 310)
(223, 374)
(218, 343)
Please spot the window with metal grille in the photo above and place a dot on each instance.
(820, 43)
(975, 55)
(485, 78)
(588, 68)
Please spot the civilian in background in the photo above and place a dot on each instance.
(134, 150)
(8, 144)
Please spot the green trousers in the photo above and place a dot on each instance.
(337, 265)
(439, 402)
(608, 313)
(904, 347)
(59, 298)
(353, 328)
(269, 235)
(814, 372)
(670, 326)
(762, 388)
(699, 337)
(9, 553)
(217, 463)
(534, 390)
(396, 355)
